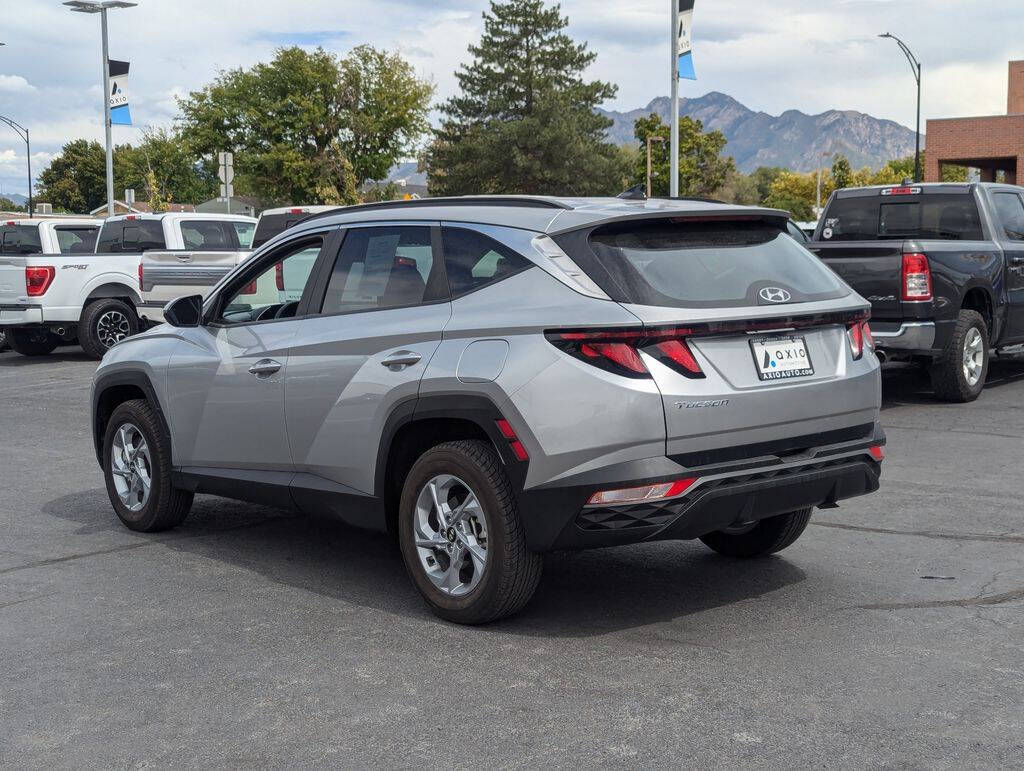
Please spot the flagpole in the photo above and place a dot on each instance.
(674, 151)
(106, 115)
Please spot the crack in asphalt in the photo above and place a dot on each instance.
(992, 599)
(992, 538)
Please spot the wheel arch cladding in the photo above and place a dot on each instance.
(419, 424)
(978, 298)
(113, 390)
(114, 291)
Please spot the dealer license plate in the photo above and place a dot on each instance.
(781, 358)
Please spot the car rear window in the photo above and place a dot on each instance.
(270, 225)
(131, 236)
(938, 217)
(78, 239)
(20, 239)
(704, 264)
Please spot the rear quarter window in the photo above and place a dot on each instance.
(76, 239)
(703, 264)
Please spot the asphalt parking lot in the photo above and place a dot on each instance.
(889, 635)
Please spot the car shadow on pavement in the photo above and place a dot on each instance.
(12, 359)
(904, 384)
(580, 594)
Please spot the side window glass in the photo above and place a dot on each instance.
(382, 267)
(75, 240)
(473, 260)
(245, 232)
(276, 291)
(111, 238)
(200, 234)
(1010, 208)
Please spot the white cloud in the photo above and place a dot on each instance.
(15, 83)
(803, 54)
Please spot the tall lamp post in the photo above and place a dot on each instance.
(96, 6)
(915, 67)
(23, 133)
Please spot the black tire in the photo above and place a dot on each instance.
(31, 341)
(166, 506)
(512, 571)
(94, 332)
(949, 381)
(766, 537)
(3, 340)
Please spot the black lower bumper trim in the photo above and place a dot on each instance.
(716, 504)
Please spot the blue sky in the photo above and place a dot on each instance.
(803, 54)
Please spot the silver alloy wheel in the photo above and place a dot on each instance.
(450, 529)
(131, 466)
(112, 327)
(974, 356)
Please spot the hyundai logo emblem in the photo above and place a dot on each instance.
(775, 294)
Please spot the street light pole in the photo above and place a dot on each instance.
(94, 6)
(23, 133)
(673, 182)
(915, 67)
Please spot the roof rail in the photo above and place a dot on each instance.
(455, 200)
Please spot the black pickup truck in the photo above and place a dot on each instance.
(943, 267)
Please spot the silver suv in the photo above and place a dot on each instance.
(491, 378)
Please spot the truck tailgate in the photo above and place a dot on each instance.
(167, 275)
(872, 268)
(12, 280)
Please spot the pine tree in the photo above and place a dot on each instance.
(525, 119)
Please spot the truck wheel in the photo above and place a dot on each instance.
(766, 537)
(959, 373)
(32, 341)
(461, 536)
(137, 470)
(105, 322)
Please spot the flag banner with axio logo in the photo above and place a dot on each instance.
(120, 114)
(684, 33)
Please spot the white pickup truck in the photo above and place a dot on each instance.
(165, 274)
(97, 297)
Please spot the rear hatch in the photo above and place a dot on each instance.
(747, 336)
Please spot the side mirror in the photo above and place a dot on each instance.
(185, 311)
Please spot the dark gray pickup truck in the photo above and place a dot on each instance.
(943, 267)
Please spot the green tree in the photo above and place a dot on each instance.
(842, 172)
(796, 193)
(161, 168)
(764, 177)
(308, 127)
(702, 170)
(739, 188)
(76, 179)
(524, 119)
(6, 204)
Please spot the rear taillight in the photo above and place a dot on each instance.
(860, 337)
(279, 275)
(618, 350)
(877, 453)
(38, 279)
(917, 277)
(249, 288)
(642, 494)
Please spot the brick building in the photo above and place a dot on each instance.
(992, 143)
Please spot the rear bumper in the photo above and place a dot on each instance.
(725, 494)
(20, 315)
(904, 336)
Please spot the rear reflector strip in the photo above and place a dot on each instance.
(507, 432)
(644, 493)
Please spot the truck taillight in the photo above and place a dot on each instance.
(141, 288)
(917, 277)
(618, 350)
(38, 279)
(860, 337)
(279, 276)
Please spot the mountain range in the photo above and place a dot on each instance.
(793, 140)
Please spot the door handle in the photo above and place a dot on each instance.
(265, 367)
(400, 359)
